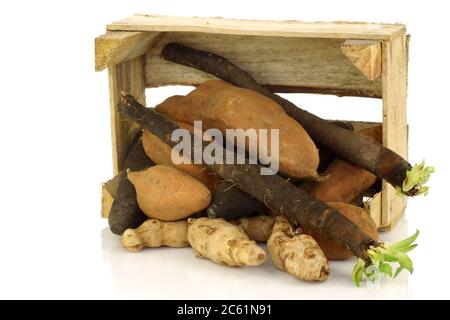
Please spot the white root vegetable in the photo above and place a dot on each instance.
(154, 233)
(299, 255)
(223, 243)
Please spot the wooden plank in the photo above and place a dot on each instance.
(365, 55)
(127, 77)
(373, 206)
(116, 47)
(337, 29)
(395, 132)
(300, 64)
(109, 190)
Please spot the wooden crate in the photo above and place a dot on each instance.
(339, 58)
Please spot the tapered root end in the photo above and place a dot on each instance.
(131, 241)
(252, 255)
(381, 259)
(413, 185)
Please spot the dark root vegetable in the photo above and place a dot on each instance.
(230, 202)
(125, 212)
(358, 150)
(286, 199)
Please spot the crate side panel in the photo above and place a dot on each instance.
(295, 64)
(395, 130)
(217, 25)
(127, 77)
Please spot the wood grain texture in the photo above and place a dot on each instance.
(127, 77)
(299, 64)
(116, 47)
(395, 131)
(365, 55)
(290, 28)
(373, 206)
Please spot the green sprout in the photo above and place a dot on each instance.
(413, 185)
(381, 257)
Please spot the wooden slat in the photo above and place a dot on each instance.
(395, 132)
(342, 30)
(127, 77)
(116, 47)
(365, 55)
(298, 64)
(373, 206)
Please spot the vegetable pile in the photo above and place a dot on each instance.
(224, 210)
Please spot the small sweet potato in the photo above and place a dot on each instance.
(168, 194)
(223, 106)
(359, 217)
(160, 153)
(345, 181)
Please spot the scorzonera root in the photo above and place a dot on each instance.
(168, 194)
(230, 202)
(359, 217)
(223, 243)
(161, 153)
(346, 181)
(125, 212)
(297, 205)
(357, 149)
(258, 228)
(223, 106)
(154, 233)
(299, 255)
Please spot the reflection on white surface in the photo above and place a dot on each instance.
(168, 273)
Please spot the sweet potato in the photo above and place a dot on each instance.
(357, 149)
(168, 194)
(258, 228)
(358, 216)
(296, 205)
(125, 212)
(223, 106)
(346, 181)
(160, 153)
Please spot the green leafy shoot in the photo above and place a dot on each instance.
(413, 185)
(382, 256)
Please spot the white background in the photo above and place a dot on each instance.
(55, 152)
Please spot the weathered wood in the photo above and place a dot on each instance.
(126, 77)
(337, 29)
(373, 206)
(283, 64)
(395, 131)
(365, 55)
(119, 46)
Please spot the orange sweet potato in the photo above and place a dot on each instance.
(345, 181)
(223, 106)
(359, 217)
(160, 153)
(168, 194)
